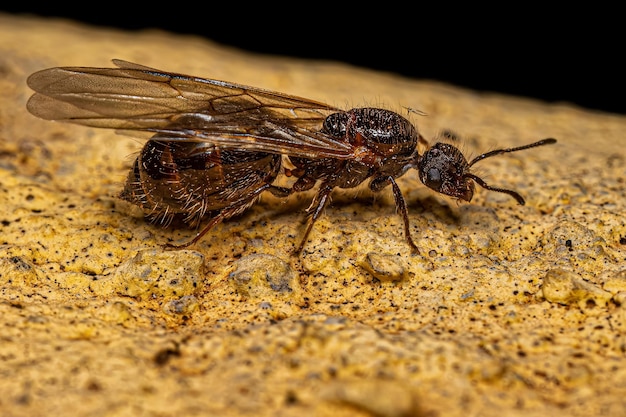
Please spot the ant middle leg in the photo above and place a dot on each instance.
(378, 184)
(313, 212)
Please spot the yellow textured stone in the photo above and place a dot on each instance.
(99, 320)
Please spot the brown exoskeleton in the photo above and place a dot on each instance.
(217, 145)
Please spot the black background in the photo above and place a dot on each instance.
(564, 55)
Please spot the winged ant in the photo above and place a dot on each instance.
(216, 146)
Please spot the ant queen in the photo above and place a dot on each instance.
(216, 146)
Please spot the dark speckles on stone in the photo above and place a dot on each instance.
(261, 274)
(384, 267)
(151, 272)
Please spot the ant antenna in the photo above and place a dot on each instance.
(483, 184)
(542, 142)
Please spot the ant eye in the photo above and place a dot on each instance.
(433, 179)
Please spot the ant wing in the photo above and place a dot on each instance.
(138, 98)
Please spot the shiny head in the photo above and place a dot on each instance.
(444, 169)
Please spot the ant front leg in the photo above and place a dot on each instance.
(378, 184)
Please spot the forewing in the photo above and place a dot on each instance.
(139, 98)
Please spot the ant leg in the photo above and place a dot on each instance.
(234, 209)
(378, 184)
(401, 207)
(315, 209)
(280, 191)
(224, 214)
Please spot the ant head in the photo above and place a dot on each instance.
(444, 169)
